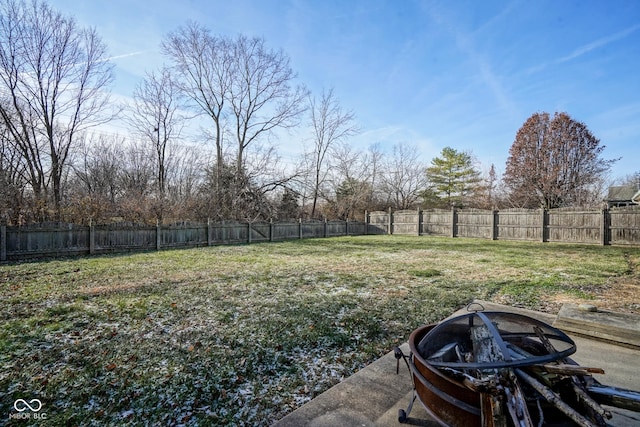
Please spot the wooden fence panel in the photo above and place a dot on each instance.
(406, 222)
(624, 226)
(236, 232)
(67, 239)
(334, 229)
(115, 238)
(183, 236)
(525, 224)
(317, 229)
(379, 222)
(437, 222)
(217, 233)
(357, 228)
(286, 231)
(260, 232)
(572, 226)
(475, 223)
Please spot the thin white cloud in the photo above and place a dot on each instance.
(497, 19)
(599, 43)
(126, 55)
(584, 49)
(483, 62)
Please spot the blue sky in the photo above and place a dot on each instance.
(464, 74)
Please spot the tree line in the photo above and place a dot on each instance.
(56, 164)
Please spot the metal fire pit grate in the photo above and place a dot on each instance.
(504, 369)
(512, 339)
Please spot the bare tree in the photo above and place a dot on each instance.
(53, 75)
(113, 177)
(136, 176)
(95, 187)
(487, 191)
(262, 100)
(185, 174)
(245, 88)
(331, 125)
(261, 96)
(12, 181)
(268, 176)
(99, 166)
(404, 179)
(554, 162)
(349, 188)
(157, 117)
(202, 72)
(375, 161)
(628, 180)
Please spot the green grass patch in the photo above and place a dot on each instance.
(429, 272)
(242, 335)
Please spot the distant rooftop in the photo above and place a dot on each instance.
(623, 194)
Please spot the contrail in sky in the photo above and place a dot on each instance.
(599, 43)
(126, 55)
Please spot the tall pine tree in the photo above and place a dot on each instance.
(452, 178)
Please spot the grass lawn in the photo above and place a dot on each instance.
(242, 335)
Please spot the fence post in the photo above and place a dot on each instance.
(271, 229)
(454, 220)
(325, 228)
(419, 222)
(604, 237)
(209, 239)
(224, 232)
(390, 225)
(299, 228)
(425, 223)
(494, 225)
(158, 236)
(366, 222)
(92, 238)
(3, 242)
(69, 235)
(248, 232)
(346, 227)
(545, 223)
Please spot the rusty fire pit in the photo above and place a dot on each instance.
(504, 369)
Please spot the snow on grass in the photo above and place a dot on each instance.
(243, 335)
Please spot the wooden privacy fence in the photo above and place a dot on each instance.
(619, 226)
(51, 240)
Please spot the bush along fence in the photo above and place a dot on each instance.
(620, 226)
(56, 239)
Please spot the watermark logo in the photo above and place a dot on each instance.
(27, 410)
(21, 405)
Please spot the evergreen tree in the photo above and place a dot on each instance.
(452, 177)
(288, 207)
